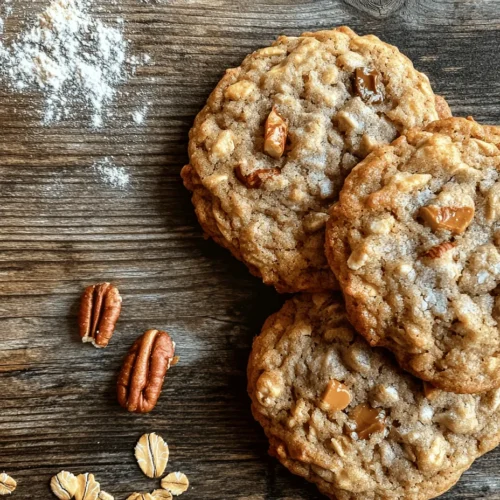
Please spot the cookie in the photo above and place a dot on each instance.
(415, 244)
(346, 417)
(270, 150)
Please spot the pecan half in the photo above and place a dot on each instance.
(144, 369)
(276, 132)
(256, 178)
(99, 311)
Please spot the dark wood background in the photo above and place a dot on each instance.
(62, 228)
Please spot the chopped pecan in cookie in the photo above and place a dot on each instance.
(276, 132)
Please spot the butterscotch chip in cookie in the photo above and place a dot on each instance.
(365, 420)
(414, 243)
(392, 440)
(336, 396)
(270, 150)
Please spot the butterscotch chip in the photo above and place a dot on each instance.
(64, 485)
(454, 219)
(336, 396)
(279, 135)
(151, 453)
(392, 442)
(175, 482)
(367, 421)
(427, 290)
(7, 484)
(366, 83)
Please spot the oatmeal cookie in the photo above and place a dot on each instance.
(346, 417)
(270, 150)
(415, 244)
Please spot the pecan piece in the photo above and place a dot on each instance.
(256, 178)
(99, 311)
(438, 251)
(144, 369)
(276, 132)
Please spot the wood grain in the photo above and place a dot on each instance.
(62, 228)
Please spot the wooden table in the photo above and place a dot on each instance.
(62, 228)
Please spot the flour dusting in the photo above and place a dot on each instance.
(70, 57)
(139, 115)
(110, 174)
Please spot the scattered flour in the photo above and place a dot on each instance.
(73, 59)
(110, 174)
(139, 115)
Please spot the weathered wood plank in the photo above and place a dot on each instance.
(62, 227)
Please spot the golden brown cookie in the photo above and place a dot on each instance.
(415, 244)
(346, 417)
(270, 150)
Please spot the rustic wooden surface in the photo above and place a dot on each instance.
(62, 228)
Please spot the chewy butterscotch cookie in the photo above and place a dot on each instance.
(270, 150)
(415, 241)
(346, 417)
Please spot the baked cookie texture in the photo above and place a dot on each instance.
(270, 150)
(415, 244)
(346, 417)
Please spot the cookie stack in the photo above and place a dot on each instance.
(333, 140)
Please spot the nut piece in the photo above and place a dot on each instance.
(87, 487)
(366, 83)
(336, 396)
(368, 420)
(176, 482)
(276, 131)
(438, 251)
(64, 485)
(105, 496)
(431, 392)
(99, 311)
(454, 219)
(152, 453)
(257, 177)
(144, 369)
(161, 495)
(7, 484)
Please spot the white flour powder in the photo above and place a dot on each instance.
(73, 59)
(110, 174)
